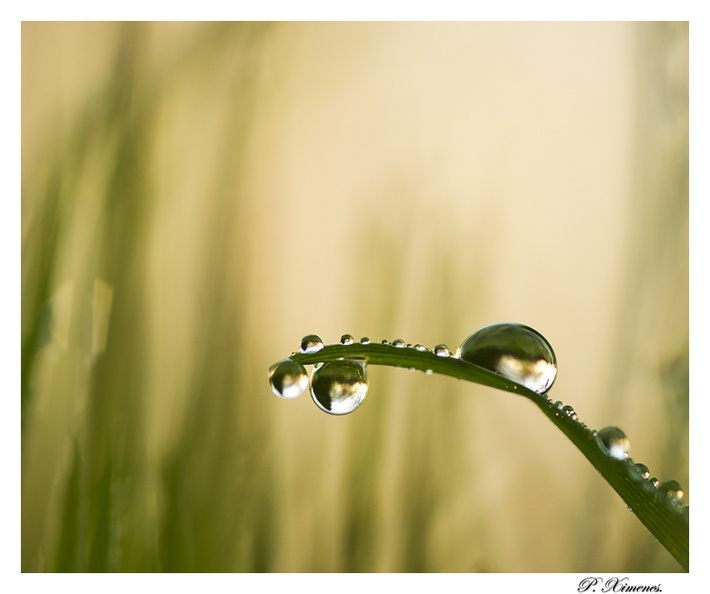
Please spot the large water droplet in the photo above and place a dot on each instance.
(514, 351)
(288, 378)
(311, 344)
(672, 490)
(339, 387)
(364, 340)
(347, 339)
(398, 342)
(615, 442)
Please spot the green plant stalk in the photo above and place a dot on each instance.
(663, 519)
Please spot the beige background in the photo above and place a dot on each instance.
(197, 197)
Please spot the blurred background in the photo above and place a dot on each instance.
(196, 197)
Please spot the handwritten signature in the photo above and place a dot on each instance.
(614, 584)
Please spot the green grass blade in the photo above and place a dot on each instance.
(666, 520)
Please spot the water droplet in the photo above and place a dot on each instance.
(385, 341)
(514, 351)
(420, 347)
(339, 387)
(441, 350)
(559, 405)
(288, 378)
(569, 411)
(615, 442)
(346, 339)
(364, 340)
(639, 470)
(428, 372)
(672, 490)
(398, 342)
(311, 344)
(653, 481)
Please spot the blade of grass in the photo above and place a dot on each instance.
(664, 520)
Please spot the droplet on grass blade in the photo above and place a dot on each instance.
(514, 351)
(614, 441)
(311, 344)
(339, 387)
(569, 411)
(288, 378)
(672, 490)
(441, 350)
(639, 471)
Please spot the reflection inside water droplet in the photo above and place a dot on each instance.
(339, 387)
(311, 344)
(288, 378)
(515, 351)
(614, 442)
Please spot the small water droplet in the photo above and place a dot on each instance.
(339, 387)
(515, 351)
(569, 411)
(385, 341)
(559, 404)
(311, 344)
(398, 342)
(428, 372)
(441, 350)
(347, 339)
(653, 481)
(420, 347)
(671, 490)
(639, 471)
(288, 378)
(364, 340)
(615, 442)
